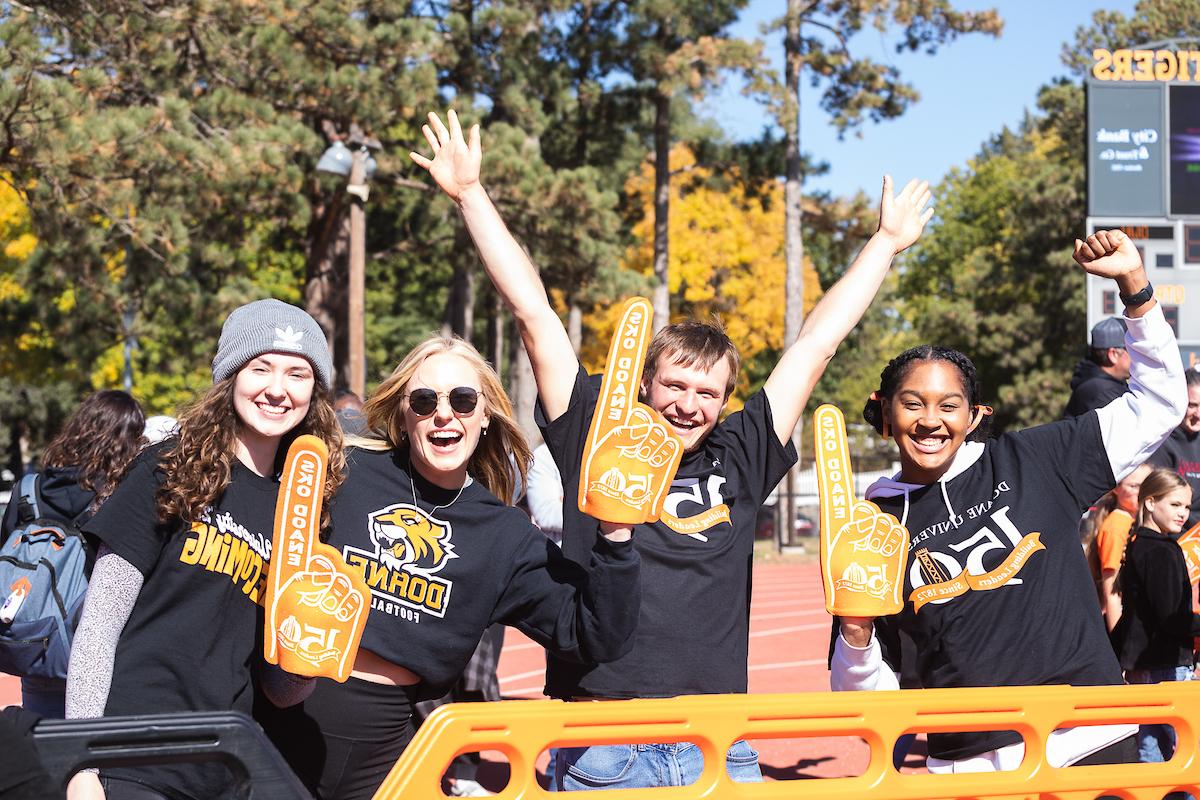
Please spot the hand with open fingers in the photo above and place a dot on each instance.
(863, 549)
(1107, 254)
(631, 455)
(902, 218)
(456, 160)
(316, 607)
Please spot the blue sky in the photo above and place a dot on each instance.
(970, 90)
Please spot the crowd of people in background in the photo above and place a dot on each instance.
(425, 479)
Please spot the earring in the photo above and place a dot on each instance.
(485, 431)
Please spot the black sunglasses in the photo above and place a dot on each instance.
(424, 402)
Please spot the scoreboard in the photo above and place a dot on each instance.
(1143, 120)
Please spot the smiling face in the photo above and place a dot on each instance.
(689, 398)
(271, 395)
(442, 442)
(930, 417)
(1191, 417)
(1168, 513)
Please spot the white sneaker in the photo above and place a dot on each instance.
(468, 788)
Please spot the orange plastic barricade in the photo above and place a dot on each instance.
(521, 729)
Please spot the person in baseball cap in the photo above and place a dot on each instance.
(1102, 375)
(172, 613)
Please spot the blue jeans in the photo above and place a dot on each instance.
(1157, 742)
(641, 766)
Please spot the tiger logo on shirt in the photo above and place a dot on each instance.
(406, 538)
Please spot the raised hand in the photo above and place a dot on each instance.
(316, 607)
(863, 549)
(1108, 254)
(903, 217)
(631, 455)
(455, 162)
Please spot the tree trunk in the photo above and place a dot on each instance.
(495, 333)
(662, 207)
(575, 326)
(522, 389)
(460, 305)
(324, 285)
(793, 317)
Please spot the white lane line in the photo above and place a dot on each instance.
(812, 662)
(805, 612)
(793, 629)
(520, 676)
(513, 648)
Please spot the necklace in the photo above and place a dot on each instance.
(413, 486)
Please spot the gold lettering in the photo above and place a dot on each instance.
(1166, 65)
(1102, 69)
(191, 547)
(1145, 65)
(212, 551)
(1122, 65)
(237, 554)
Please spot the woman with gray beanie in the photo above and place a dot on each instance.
(170, 620)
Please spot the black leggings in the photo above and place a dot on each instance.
(345, 738)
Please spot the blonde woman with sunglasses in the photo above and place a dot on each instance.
(426, 513)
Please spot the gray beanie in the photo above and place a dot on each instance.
(271, 326)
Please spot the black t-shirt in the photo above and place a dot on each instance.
(998, 591)
(1181, 452)
(693, 633)
(439, 577)
(193, 635)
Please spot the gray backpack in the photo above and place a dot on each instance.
(42, 586)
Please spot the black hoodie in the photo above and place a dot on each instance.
(1091, 388)
(59, 494)
(1156, 629)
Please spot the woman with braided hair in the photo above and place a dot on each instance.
(997, 590)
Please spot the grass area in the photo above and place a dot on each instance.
(765, 552)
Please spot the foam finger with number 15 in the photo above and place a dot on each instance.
(863, 549)
(631, 455)
(316, 607)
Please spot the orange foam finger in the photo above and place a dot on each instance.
(297, 521)
(863, 550)
(625, 471)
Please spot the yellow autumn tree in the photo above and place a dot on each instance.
(726, 259)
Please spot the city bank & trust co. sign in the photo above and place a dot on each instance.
(1146, 65)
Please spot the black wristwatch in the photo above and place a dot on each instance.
(1137, 298)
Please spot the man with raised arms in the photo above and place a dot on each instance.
(693, 631)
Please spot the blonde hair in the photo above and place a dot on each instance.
(500, 460)
(1157, 484)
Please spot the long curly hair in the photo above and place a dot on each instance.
(500, 460)
(101, 438)
(198, 463)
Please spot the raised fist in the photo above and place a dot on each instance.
(316, 607)
(863, 550)
(631, 455)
